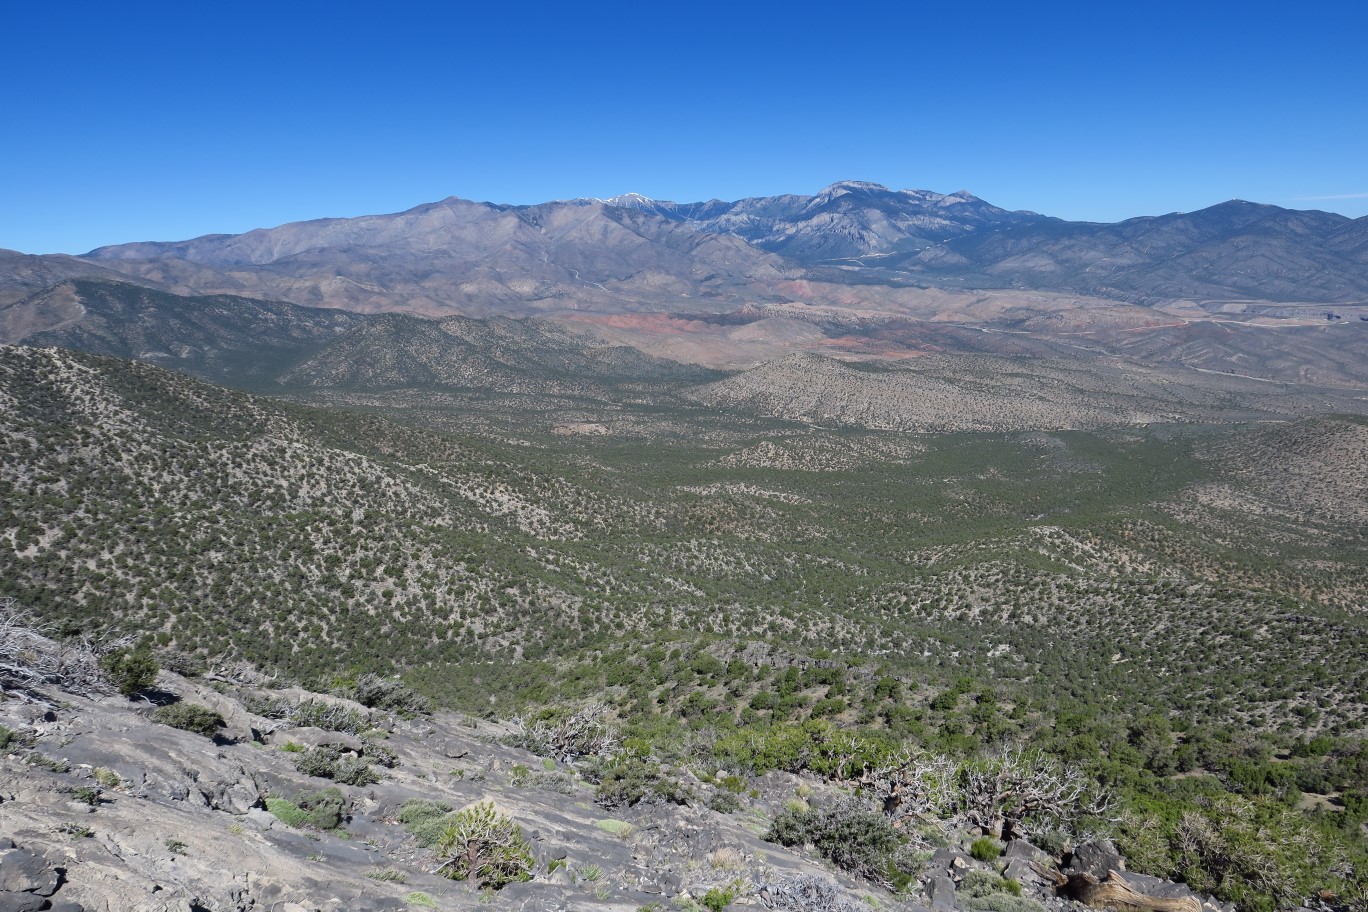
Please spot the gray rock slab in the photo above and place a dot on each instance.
(1096, 859)
(1158, 887)
(1020, 848)
(941, 892)
(22, 902)
(945, 859)
(22, 871)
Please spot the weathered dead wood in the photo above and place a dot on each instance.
(1115, 892)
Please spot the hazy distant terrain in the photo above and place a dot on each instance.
(857, 271)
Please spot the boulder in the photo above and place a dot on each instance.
(1025, 873)
(22, 871)
(1095, 859)
(945, 859)
(22, 902)
(237, 794)
(662, 883)
(941, 892)
(1020, 848)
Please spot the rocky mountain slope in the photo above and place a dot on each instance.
(1234, 250)
(223, 338)
(844, 222)
(497, 355)
(273, 345)
(464, 257)
(23, 275)
(209, 794)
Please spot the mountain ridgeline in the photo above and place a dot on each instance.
(628, 252)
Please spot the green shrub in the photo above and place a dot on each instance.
(481, 845)
(388, 875)
(817, 746)
(718, 898)
(1260, 854)
(191, 717)
(559, 783)
(416, 810)
(388, 695)
(10, 738)
(51, 764)
(331, 761)
(985, 848)
(619, 828)
(849, 831)
(629, 780)
(130, 670)
(287, 812)
(425, 820)
(986, 883)
(324, 809)
(725, 802)
(567, 735)
(329, 716)
(379, 752)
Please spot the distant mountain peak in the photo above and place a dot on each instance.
(641, 203)
(842, 188)
(849, 185)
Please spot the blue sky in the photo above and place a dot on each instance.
(159, 121)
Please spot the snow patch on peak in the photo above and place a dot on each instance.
(840, 188)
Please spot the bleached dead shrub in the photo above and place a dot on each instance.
(808, 893)
(29, 659)
(1011, 793)
(568, 735)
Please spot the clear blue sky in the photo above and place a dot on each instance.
(158, 121)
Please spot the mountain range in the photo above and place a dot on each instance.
(858, 270)
(478, 257)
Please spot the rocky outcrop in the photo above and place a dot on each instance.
(114, 812)
(29, 882)
(110, 811)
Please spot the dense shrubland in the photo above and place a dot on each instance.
(1136, 620)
